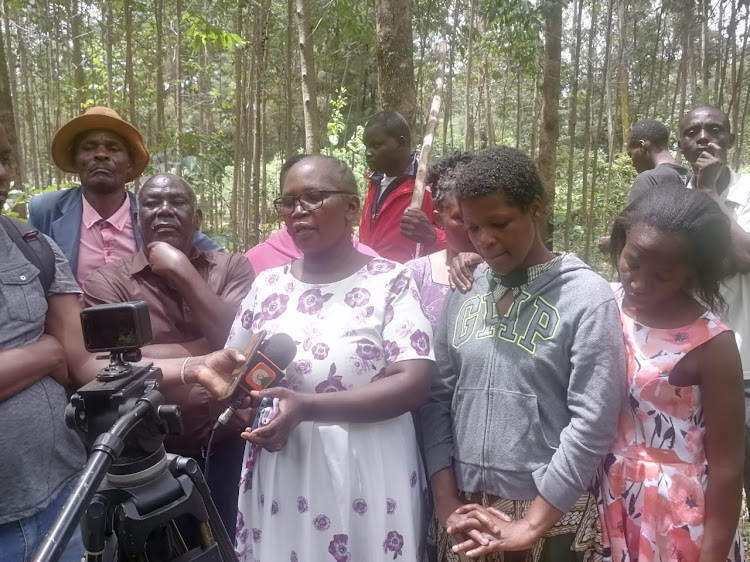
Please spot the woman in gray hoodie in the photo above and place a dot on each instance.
(530, 369)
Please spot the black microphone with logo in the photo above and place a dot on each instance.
(264, 367)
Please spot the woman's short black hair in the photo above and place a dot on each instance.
(501, 170)
(340, 168)
(683, 212)
(442, 175)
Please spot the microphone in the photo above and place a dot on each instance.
(263, 367)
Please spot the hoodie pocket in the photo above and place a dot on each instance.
(500, 430)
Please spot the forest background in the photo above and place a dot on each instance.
(224, 91)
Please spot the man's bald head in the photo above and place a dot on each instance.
(168, 180)
(703, 109)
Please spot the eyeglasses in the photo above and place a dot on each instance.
(309, 200)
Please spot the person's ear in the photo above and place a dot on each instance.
(536, 208)
(352, 208)
(732, 138)
(437, 218)
(130, 163)
(198, 218)
(401, 142)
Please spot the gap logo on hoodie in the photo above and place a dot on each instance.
(478, 319)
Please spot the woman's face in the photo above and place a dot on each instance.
(502, 234)
(318, 230)
(450, 221)
(654, 266)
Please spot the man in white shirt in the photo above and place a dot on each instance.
(705, 139)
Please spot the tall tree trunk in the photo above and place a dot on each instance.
(239, 79)
(704, 50)
(720, 61)
(395, 58)
(572, 116)
(424, 20)
(488, 103)
(657, 45)
(108, 51)
(159, 85)
(587, 121)
(741, 136)
(622, 75)
(686, 54)
(535, 114)
(736, 93)
(468, 125)
(289, 113)
(260, 45)
(611, 135)
(309, 78)
(29, 113)
(7, 113)
(129, 78)
(54, 64)
(519, 106)
(79, 77)
(591, 222)
(178, 84)
(550, 110)
(448, 117)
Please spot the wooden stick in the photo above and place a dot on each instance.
(424, 157)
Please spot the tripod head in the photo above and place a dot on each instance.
(121, 330)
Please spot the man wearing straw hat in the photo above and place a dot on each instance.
(93, 223)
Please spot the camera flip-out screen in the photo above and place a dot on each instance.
(116, 327)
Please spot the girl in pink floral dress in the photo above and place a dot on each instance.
(671, 487)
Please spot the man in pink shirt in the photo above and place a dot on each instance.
(104, 240)
(93, 223)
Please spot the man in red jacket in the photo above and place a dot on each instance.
(387, 224)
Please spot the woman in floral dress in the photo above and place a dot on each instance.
(341, 477)
(671, 487)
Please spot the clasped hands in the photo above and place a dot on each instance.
(479, 530)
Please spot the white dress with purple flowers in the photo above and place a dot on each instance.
(337, 491)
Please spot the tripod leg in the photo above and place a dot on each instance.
(186, 465)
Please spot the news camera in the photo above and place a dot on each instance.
(131, 492)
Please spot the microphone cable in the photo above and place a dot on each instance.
(208, 453)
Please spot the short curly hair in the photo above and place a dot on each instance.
(650, 130)
(503, 170)
(442, 174)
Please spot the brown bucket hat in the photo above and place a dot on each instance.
(105, 119)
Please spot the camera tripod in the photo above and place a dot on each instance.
(131, 491)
